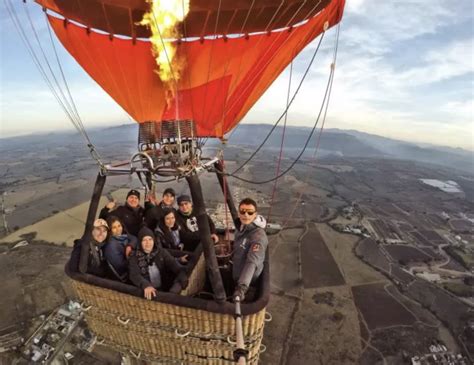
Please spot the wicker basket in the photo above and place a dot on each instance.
(167, 333)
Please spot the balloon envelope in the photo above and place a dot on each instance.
(221, 78)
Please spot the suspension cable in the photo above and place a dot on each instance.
(286, 109)
(63, 102)
(229, 59)
(36, 61)
(269, 50)
(73, 104)
(258, 43)
(64, 99)
(281, 145)
(210, 58)
(302, 150)
(290, 216)
(187, 57)
(324, 107)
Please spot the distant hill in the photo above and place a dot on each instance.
(349, 143)
(441, 155)
(295, 137)
(356, 144)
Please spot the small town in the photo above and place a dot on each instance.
(46, 344)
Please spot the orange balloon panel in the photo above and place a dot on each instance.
(221, 79)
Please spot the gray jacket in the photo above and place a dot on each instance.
(250, 245)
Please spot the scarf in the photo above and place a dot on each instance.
(96, 251)
(175, 237)
(145, 260)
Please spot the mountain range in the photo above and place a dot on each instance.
(347, 143)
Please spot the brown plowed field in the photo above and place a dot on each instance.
(379, 308)
(432, 236)
(401, 275)
(406, 253)
(370, 252)
(319, 267)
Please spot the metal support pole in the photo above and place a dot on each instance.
(240, 353)
(199, 209)
(86, 237)
(225, 190)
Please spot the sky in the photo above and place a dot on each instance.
(405, 70)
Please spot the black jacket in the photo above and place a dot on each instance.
(154, 214)
(169, 268)
(131, 218)
(96, 264)
(189, 231)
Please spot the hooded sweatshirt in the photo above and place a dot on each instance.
(250, 245)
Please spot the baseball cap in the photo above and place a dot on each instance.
(134, 192)
(100, 223)
(184, 198)
(169, 191)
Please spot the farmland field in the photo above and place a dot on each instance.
(319, 267)
(406, 253)
(401, 275)
(378, 308)
(370, 252)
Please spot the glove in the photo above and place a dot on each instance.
(240, 292)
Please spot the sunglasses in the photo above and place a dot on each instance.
(247, 212)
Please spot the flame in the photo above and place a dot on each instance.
(162, 20)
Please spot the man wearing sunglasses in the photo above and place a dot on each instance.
(250, 245)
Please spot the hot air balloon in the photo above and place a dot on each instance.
(183, 70)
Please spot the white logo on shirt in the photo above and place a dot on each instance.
(191, 223)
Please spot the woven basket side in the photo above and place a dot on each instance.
(162, 314)
(178, 348)
(197, 278)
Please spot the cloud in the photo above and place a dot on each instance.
(445, 62)
(404, 69)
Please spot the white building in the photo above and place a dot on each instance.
(432, 277)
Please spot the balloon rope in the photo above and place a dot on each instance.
(78, 117)
(298, 200)
(286, 109)
(77, 123)
(228, 63)
(227, 233)
(271, 52)
(281, 145)
(46, 61)
(237, 77)
(210, 60)
(324, 104)
(187, 57)
(37, 62)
